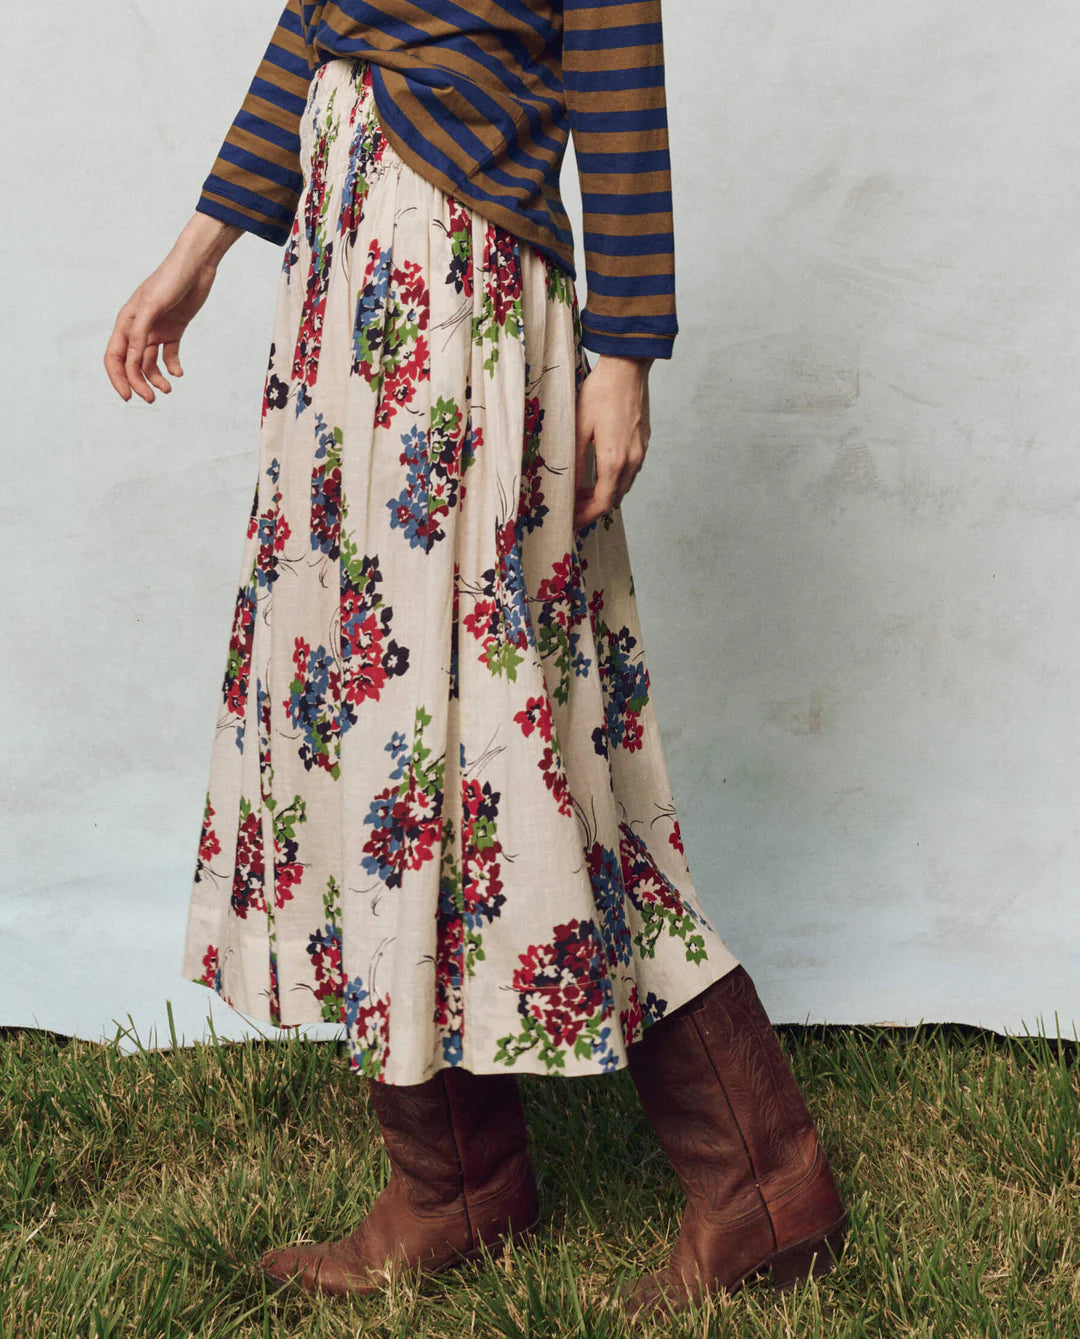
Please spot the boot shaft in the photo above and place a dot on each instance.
(768, 1105)
(458, 1144)
(726, 1107)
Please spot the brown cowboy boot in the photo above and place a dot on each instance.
(460, 1178)
(729, 1114)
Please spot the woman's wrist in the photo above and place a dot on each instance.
(206, 239)
(625, 363)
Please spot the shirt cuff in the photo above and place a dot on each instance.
(240, 218)
(630, 344)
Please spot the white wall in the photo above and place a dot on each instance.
(854, 539)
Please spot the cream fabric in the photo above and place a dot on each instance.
(438, 808)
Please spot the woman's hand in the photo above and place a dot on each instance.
(158, 312)
(612, 411)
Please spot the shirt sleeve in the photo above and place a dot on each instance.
(255, 182)
(613, 74)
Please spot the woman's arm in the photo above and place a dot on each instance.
(158, 312)
(253, 186)
(613, 413)
(613, 73)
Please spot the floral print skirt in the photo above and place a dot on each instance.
(438, 810)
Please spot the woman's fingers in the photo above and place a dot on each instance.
(136, 349)
(612, 406)
(115, 353)
(583, 435)
(593, 500)
(152, 372)
(152, 321)
(617, 466)
(170, 352)
(604, 494)
(131, 358)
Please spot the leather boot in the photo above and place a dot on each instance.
(460, 1178)
(729, 1114)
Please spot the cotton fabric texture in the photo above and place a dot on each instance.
(438, 810)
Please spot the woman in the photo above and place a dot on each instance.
(438, 808)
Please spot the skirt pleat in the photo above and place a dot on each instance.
(438, 809)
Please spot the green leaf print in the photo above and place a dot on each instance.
(483, 833)
(558, 284)
(552, 640)
(531, 1037)
(502, 657)
(658, 918)
(286, 821)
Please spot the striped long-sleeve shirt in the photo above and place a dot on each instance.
(480, 97)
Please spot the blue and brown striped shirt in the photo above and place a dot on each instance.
(480, 98)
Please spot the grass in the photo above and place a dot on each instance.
(138, 1192)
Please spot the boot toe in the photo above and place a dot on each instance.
(637, 1299)
(316, 1268)
(287, 1264)
(652, 1296)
